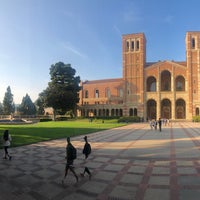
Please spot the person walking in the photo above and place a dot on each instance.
(6, 143)
(86, 152)
(70, 156)
(160, 124)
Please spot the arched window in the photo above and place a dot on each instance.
(151, 84)
(180, 83)
(137, 45)
(165, 81)
(197, 111)
(96, 93)
(127, 45)
(193, 43)
(132, 45)
(108, 94)
(86, 93)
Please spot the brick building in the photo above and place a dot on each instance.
(166, 89)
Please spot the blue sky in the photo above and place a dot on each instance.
(34, 34)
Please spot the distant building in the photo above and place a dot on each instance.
(166, 89)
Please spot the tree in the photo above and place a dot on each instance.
(8, 104)
(27, 107)
(62, 91)
(40, 104)
(1, 108)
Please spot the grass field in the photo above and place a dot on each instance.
(42, 131)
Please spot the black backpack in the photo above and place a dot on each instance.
(74, 153)
(87, 149)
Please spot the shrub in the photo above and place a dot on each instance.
(196, 119)
(129, 119)
(45, 120)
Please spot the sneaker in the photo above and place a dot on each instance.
(4, 158)
(10, 157)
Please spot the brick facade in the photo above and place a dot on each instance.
(166, 89)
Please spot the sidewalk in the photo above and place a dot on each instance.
(127, 163)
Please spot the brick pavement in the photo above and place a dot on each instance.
(127, 163)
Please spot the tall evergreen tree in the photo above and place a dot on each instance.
(27, 107)
(8, 104)
(40, 105)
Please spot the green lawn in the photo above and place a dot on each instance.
(42, 131)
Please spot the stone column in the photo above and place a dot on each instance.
(173, 100)
(159, 94)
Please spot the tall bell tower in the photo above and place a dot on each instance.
(134, 60)
(193, 71)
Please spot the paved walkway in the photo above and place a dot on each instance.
(127, 163)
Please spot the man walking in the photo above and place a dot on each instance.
(70, 156)
(160, 124)
(86, 152)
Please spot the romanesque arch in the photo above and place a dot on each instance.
(165, 81)
(107, 112)
(180, 109)
(180, 83)
(112, 112)
(131, 112)
(166, 109)
(151, 84)
(135, 111)
(151, 109)
(121, 112)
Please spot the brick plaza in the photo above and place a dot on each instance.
(127, 163)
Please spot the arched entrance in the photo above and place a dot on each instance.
(180, 109)
(151, 109)
(166, 108)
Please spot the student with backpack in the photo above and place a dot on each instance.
(70, 156)
(86, 152)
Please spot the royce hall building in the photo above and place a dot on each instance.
(166, 89)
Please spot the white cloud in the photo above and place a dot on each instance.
(117, 30)
(74, 50)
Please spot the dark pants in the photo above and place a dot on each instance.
(6, 150)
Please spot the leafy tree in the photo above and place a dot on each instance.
(27, 107)
(8, 104)
(62, 91)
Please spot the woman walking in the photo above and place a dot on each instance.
(6, 143)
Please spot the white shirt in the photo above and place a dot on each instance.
(7, 143)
